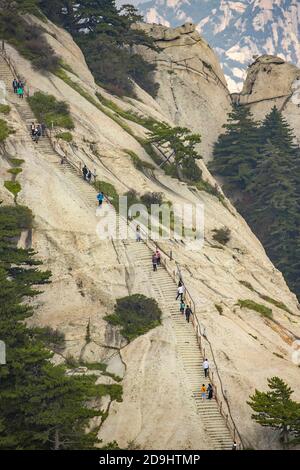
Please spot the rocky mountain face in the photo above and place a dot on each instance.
(237, 30)
(272, 82)
(90, 273)
(193, 92)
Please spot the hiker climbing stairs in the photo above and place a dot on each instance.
(188, 351)
(44, 145)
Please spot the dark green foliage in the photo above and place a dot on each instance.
(40, 407)
(222, 235)
(181, 142)
(4, 108)
(237, 150)
(275, 409)
(259, 308)
(4, 130)
(106, 37)
(27, 38)
(152, 198)
(46, 108)
(264, 163)
(13, 186)
(136, 315)
(66, 136)
(138, 162)
(52, 339)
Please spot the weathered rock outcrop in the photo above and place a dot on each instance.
(273, 82)
(192, 87)
(89, 273)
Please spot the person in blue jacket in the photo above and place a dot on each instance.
(100, 198)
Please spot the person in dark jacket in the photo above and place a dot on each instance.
(15, 85)
(188, 313)
(210, 391)
(89, 176)
(154, 262)
(85, 172)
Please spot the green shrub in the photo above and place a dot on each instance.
(4, 130)
(190, 170)
(28, 39)
(48, 109)
(109, 191)
(251, 305)
(15, 171)
(138, 163)
(219, 308)
(4, 108)
(248, 285)
(67, 136)
(53, 339)
(222, 235)
(16, 161)
(13, 186)
(136, 314)
(151, 198)
(277, 303)
(170, 170)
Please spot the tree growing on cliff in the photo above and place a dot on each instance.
(40, 407)
(181, 142)
(237, 150)
(106, 36)
(275, 409)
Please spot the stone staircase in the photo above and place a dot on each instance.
(164, 286)
(44, 145)
(188, 350)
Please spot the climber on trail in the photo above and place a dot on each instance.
(206, 367)
(182, 307)
(234, 446)
(158, 256)
(188, 313)
(210, 391)
(180, 291)
(203, 392)
(154, 262)
(89, 176)
(15, 85)
(84, 172)
(100, 197)
(32, 128)
(20, 91)
(138, 233)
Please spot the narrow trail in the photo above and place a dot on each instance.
(187, 349)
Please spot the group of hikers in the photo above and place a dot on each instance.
(18, 87)
(87, 174)
(37, 131)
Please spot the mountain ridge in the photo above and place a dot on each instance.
(238, 31)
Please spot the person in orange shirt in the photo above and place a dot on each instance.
(203, 392)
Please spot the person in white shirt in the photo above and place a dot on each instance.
(180, 292)
(206, 367)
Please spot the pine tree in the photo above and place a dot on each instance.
(276, 130)
(40, 407)
(106, 35)
(237, 150)
(276, 410)
(182, 143)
